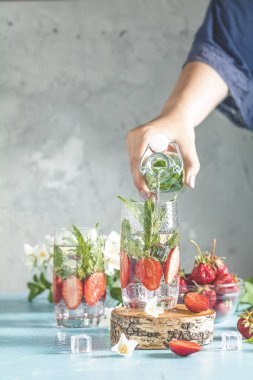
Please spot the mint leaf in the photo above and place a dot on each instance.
(58, 258)
(150, 218)
(91, 254)
(173, 239)
(148, 222)
(135, 208)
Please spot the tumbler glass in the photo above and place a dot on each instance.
(79, 282)
(149, 257)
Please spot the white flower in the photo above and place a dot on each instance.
(42, 254)
(112, 253)
(30, 258)
(152, 308)
(124, 346)
(49, 241)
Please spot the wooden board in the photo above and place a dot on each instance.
(152, 333)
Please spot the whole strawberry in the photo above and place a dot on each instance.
(203, 272)
(218, 262)
(226, 284)
(245, 324)
(196, 302)
(208, 291)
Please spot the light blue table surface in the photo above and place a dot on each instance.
(31, 349)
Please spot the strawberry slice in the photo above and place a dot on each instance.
(196, 302)
(183, 347)
(94, 288)
(72, 291)
(124, 269)
(149, 272)
(171, 265)
(57, 288)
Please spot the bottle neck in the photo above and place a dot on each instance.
(157, 164)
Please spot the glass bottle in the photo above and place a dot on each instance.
(162, 166)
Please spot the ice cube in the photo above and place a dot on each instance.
(81, 343)
(231, 341)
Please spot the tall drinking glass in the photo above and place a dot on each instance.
(79, 283)
(149, 257)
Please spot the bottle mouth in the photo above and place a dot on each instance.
(158, 163)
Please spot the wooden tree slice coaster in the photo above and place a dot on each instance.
(151, 333)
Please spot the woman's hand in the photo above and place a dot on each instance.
(176, 130)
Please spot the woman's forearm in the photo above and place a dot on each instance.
(199, 89)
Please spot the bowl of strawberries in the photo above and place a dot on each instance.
(210, 276)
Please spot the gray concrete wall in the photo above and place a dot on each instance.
(74, 77)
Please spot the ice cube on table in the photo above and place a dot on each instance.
(231, 341)
(81, 343)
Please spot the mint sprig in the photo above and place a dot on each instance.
(150, 218)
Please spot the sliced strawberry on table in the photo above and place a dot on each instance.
(125, 266)
(57, 288)
(196, 302)
(183, 347)
(171, 265)
(94, 288)
(72, 292)
(245, 324)
(149, 271)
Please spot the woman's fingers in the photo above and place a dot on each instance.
(137, 140)
(191, 160)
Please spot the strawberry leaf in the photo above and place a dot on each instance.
(247, 297)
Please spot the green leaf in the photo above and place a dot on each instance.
(148, 222)
(58, 258)
(250, 340)
(247, 297)
(35, 290)
(135, 208)
(150, 218)
(35, 278)
(173, 239)
(91, 254)
(44, 281)
(125, 233)
(50, 295)
(116, 294)
(135, 248)
(78, 235)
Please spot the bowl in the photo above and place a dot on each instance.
(224, 299)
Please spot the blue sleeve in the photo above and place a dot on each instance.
(225, 42)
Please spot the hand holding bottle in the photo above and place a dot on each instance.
(179, 132)
(197, 92)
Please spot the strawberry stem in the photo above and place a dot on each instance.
(197, 246)
(213, 249)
